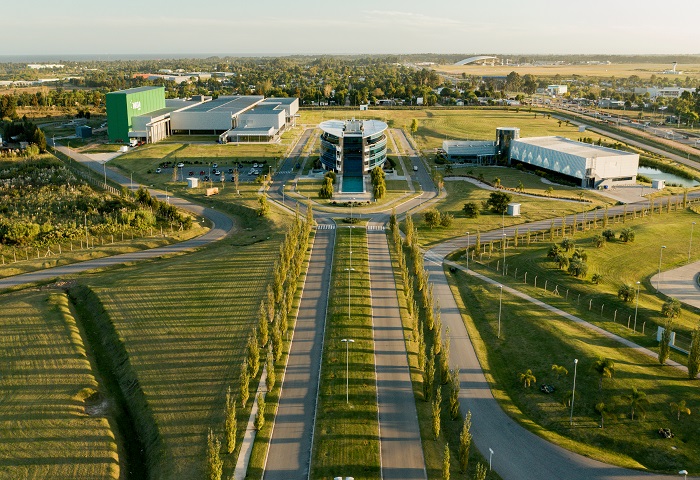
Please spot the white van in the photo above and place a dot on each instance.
(415, 168)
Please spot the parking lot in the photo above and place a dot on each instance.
(215, 172)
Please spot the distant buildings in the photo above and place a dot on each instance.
(665, 92)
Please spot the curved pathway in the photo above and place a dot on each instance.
(680, 283)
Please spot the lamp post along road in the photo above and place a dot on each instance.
(490, 457)
(347, 342)
(690, 245)
(466, 251)
(573, 394)
(636, 308)
(503, 245)
(500, 303)
(658, 278)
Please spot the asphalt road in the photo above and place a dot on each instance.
(289, 455)
(400, 443)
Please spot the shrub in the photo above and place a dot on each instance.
(471, 209)
(498, 201)
(446, 220)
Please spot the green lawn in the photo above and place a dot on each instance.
(346, 437)
(533, 338)
(45, 378)
(461, 192)
(436, 125)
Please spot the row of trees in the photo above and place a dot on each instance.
(433, 351)
(266, 341)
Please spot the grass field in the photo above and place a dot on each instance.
(346, 437)
(620, 70)
(460, 192)
(27, 260)
(436, 125)
(46, 383)
(532, 338)
(619, 264)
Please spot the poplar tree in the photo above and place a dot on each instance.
(429, 377)
(465, 442)
(214, 467)
(260, 415)
(244, 381)
(454, 394)
(270, 367)
(437, 407)
(230, 422)
(263, 326)
(446, 462)
(253, 349)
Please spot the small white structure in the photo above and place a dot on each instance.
(557, 89)
(581, 128)
(364, 107)
(658, 184)
(513, 209)
(192, 182)
(123, 149)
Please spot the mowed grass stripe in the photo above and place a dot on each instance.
(185, 323)
(44, 377)
(346, 437)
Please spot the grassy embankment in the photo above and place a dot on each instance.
(346, 437)
(54, 420)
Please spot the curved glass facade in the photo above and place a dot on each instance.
(353, 148)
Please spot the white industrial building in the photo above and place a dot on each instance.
(589, 165)
(557, 89)
(666, 92)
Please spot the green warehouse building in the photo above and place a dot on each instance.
(124, 105)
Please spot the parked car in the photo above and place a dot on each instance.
(216, 165)
(180, 165)
(158, 170)
(201, 172)
(255, 165)
(230, 170)
(190, 174)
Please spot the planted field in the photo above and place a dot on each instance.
(346, 436)
(533, 339)
(461, 192)
(51, 424)
(184, 323)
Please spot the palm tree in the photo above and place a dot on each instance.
(559, 370)
(568, 244)
(627, 235)
(597, 278)
(605, 368)
(625, 293)
(527, 378)
(604, 410)
(679, 408)
(637, 401)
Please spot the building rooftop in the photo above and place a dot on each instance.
(282, 100)
(266, 108)
(136, 90)
(233, 104)
(572, 147)
(469, 147)
(340, 128)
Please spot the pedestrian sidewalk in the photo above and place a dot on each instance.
(250, 431)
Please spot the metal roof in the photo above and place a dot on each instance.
(136, 90)
(475, 59)
(233, 104)
(572, 147)
(338, 127)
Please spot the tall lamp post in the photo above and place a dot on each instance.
(684, 473)
(283, 185)
(658, 277)
(504, 253)
(573, 394)
(500, 303)
(467, 251)
(690, 245)
(490, 456)
(347, 342)
(636, 308)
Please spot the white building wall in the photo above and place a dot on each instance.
(549, 159)
(616, 166)
(253, 119)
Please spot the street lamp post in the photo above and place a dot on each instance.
(500, 303)
(573, 394)
(347, 342)
(104, 169)
(467, 251)
(684, 473)
(690, 245)
(636, 308)
(658, 277)
(504, 253)
(283, 194)
(490, 457)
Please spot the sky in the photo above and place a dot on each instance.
(272, 27)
